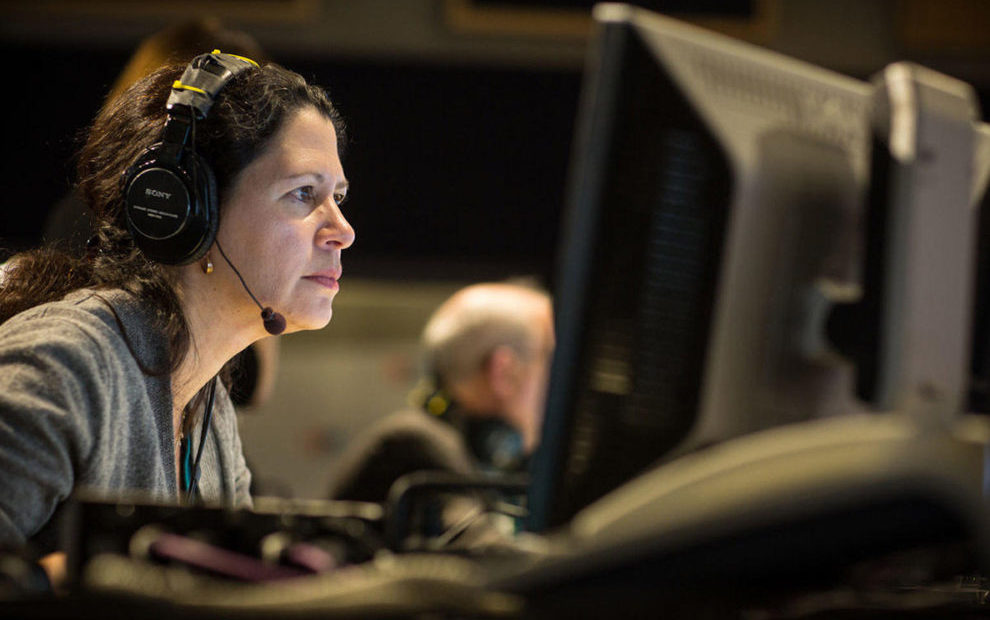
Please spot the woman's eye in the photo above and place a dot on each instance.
(304, 194)
(340, 198)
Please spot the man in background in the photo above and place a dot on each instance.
(486, 355)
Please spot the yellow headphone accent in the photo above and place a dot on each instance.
(426, 395)
(244, 58)
(178, 85)
(437, 405)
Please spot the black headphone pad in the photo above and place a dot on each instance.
(209, 205)
(170, 204)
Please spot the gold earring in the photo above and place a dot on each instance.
(207, 265)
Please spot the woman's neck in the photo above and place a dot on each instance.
(216, 334)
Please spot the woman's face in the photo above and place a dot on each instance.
(282, 226)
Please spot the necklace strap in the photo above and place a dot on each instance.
(192, 490)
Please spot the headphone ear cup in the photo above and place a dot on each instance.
(170, 205)
(208, 205)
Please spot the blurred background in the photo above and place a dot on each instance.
(460, 115)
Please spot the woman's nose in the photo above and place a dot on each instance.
(337, 232)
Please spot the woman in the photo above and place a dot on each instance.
(107, 362)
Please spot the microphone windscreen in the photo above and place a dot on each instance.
(274, 322)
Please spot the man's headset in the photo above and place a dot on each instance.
(492, 442)
(170, 193)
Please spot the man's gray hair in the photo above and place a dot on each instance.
(464, 331)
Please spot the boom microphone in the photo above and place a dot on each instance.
(274, 322)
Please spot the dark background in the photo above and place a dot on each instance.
(452, 169)
(457, 166)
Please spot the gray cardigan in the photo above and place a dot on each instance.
(77, 410)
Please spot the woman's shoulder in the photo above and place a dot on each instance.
(80, 309)
(108, 319)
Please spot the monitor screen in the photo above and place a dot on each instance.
(712, 218)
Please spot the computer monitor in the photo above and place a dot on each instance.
(715, 220)
(979, 389)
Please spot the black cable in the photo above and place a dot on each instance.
(237, 273)
(207, 419)
(273, 321)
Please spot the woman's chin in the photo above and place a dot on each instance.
(309, 323)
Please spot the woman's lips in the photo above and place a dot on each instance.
(325, 281)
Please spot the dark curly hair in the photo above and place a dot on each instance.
(244, 118)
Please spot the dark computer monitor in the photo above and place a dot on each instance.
(715, 220)
(979, 388)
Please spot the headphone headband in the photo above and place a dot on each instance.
(203, 80)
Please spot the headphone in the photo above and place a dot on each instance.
(495, 445)
(170, 193)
